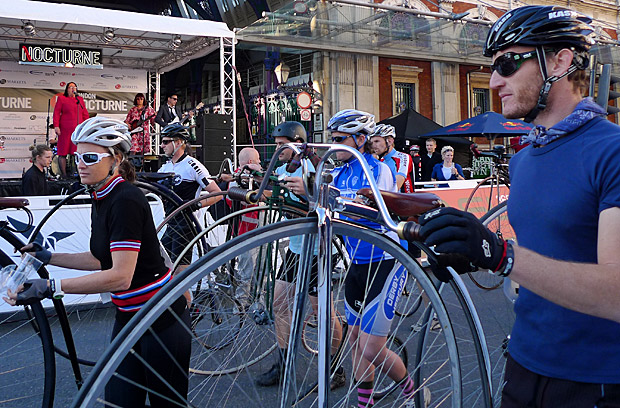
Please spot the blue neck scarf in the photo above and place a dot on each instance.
(585, 110)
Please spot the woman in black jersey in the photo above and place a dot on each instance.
(125, 251)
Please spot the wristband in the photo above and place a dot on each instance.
(508, 262)
(56, 289)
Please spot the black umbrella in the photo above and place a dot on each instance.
(410, 125)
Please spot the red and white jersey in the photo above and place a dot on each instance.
(402, 165)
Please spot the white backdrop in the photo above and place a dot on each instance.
(24, 94)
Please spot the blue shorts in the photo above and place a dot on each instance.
(371, 294)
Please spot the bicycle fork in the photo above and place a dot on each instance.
(323, 213)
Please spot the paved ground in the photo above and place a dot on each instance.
(91, 332)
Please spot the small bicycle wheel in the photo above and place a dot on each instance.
(497, 221)
(310, 333)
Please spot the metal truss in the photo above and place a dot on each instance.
(153, 95)
(186, 51)
(228, 84)
(86, 38)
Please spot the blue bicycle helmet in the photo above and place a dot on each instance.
(353, 122)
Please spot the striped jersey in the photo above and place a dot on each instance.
(121, 220)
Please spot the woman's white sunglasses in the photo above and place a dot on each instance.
(90, 158)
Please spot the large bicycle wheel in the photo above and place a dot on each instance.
(237, 390)
(28, 369)
(489, 193)
(497, 221)
(498, 305)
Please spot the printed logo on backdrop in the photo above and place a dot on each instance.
(47, 242)
(57, 56)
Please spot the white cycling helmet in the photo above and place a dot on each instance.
(103, 131)
(353, 122)
(384, 131)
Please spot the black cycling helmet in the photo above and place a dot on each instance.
(293, 131)
(543, 27)
(176, 130)
(550, 26)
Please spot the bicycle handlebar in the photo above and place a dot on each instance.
(406, 230)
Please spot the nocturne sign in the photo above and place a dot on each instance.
(56, 56)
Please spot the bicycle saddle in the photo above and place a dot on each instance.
(406, 205)
(13, 203)
(154, 176)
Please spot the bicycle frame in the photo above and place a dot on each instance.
(324, 202)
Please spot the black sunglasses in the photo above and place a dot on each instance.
(340, 139)
(510, 62)
(166, 141)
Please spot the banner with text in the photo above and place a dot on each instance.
(28, 97)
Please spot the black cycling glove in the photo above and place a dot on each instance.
(458, 262)
(457, 232)
(34, 291)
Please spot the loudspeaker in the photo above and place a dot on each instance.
(214, 136)
(214, 121)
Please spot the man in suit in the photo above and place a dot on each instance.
(170, 112)
(430, 159)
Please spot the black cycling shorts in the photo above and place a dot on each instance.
(371, 293)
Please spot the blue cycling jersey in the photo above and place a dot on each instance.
(349, 178)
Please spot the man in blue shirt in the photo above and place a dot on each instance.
(564, 347)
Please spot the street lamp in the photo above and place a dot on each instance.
(282, 72)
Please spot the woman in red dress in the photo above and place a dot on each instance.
(140, 116)
(68, 113)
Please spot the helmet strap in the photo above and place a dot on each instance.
(176, 149)
(355, 135)
(548, 81)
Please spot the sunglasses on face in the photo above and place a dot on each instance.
(90, 158)
(340, 139)
(510, 62)
(166, 141)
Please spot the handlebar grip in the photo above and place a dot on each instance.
(409, 231)
(242, 194)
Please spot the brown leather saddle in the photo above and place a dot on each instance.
(408, 206)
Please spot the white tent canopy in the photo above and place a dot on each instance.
(143, 39)
(140, 41)
(67, 13)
